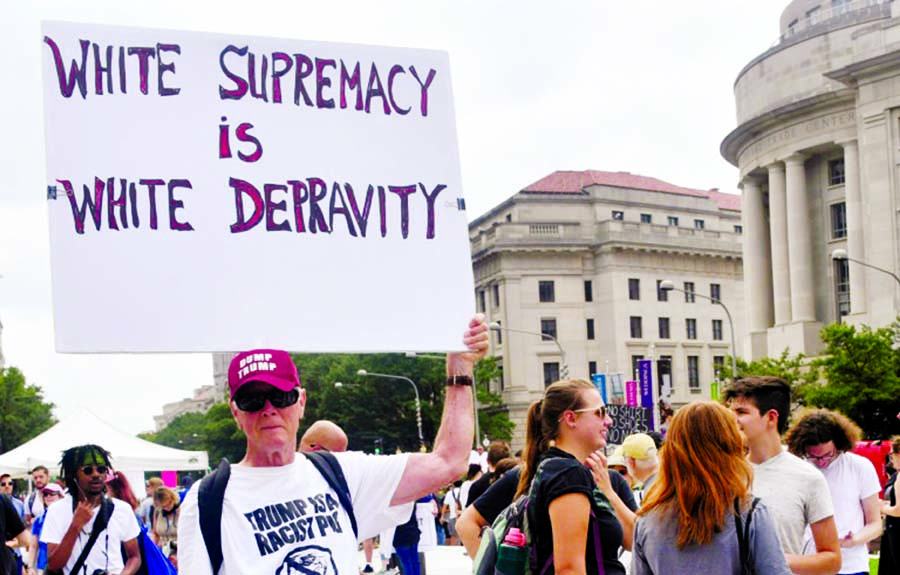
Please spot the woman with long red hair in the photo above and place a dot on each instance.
(688, 520)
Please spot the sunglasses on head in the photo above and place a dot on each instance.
(252, 401)
(89, 469)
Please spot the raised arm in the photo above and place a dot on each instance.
(425, 472)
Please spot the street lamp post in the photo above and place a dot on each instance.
(564, 371)
(415, 388)
(841, 254)
(668, 285)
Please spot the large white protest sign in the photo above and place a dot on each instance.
(214, 193)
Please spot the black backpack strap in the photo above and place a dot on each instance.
(100, 523)
(327, 465)
(743, 533)
(210, 496)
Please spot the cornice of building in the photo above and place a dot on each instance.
(748, 132)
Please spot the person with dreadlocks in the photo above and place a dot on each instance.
(86, 531)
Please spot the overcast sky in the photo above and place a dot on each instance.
(644, 87)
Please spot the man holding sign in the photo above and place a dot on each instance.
(279, 512)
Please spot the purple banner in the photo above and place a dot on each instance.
(645, 377)
(631, 393)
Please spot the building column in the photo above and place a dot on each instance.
(778, 233)
(855, 246)
(803, 306)
(757, 262)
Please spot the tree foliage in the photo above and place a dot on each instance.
(23, 412)
(794, 370)
(860, 371)
(366, 407)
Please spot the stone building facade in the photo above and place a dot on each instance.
(818, 147)
(580, 254)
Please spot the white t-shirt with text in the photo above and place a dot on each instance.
(107, 551)
(287, 520)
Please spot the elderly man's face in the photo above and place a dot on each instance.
(270, 427)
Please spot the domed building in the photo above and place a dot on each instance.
(818, 147)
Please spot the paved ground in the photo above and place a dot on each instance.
(438, 561)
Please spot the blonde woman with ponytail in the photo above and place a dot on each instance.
(573, 508)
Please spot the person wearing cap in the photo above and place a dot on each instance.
(616, 462)
(50, 494)
(642, 460)
(279, 514)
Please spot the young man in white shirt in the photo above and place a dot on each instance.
(794, 492)
(86, 532)
(825, 439)
(279, 513)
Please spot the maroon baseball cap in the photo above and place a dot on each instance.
(272, 366)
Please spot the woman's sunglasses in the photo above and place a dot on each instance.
(252, 401)
(598, 411)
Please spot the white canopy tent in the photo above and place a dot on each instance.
(130, 455)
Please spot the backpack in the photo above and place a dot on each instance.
(516, 515)
(743, 535)
(211, 495)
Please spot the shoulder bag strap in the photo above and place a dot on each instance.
(327, 465)
(743, 534)
(100, 524)
(210, 496)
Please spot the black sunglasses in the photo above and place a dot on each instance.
(251, 401)
(89, 469)
(6, 483)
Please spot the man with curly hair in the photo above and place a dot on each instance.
(825, 439)
(85, 532)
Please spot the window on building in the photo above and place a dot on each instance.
(792, 26)
(499, 364)
(481, 303)
(634, 289)
(699, 224)
(715, 292)
(546, 291)
(634, 365)
(672, 221)
(693, 373)
(548, 328)
(592, 368)
(551, 372)
(836, 172)
(590, 329)
(636, 329)
(718, 365)
(646, 218)
(690, 328)
(842, 286)
(838, 220)
(664, 328)
(508, 217)
(811, 13)
(717, 329)
(496, 291)
(738, 229)
(499, 333)
(617, 215)
(661, 294)
(588, 290)
(689, 292)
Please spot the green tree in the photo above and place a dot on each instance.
(794, 370)
(23, 412)
(493, 415)
(214, 432)
(860, 377)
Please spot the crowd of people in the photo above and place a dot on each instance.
(732, 488)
